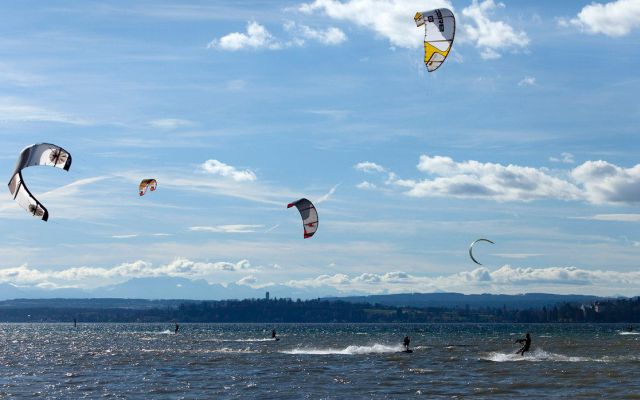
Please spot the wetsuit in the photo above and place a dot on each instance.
(177, 328)
(273, 334)
(406, 342)
(526, 345)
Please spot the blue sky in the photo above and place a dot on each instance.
(527, 135)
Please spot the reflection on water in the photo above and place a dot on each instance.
(316, 361)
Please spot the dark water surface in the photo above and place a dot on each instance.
(316, 361)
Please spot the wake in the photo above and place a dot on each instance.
(349, 350)
(538, 355)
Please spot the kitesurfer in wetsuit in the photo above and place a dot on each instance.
(177, 328)
(75, 323)
(273, 334)
(526, 344)
(406, 342)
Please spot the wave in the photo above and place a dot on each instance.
(628, 333)
(249, 340)
(537, 355)
(350, 350)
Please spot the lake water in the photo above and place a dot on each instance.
(217, 361)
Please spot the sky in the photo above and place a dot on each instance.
(527, 135)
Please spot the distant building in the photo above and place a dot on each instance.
(266, 296)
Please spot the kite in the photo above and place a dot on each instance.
(471, 248)
(439, 30)
(309, 216)
(45, 154)
(150, 184)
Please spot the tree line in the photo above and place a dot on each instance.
(330, 311)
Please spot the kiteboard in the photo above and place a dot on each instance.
(407, 351)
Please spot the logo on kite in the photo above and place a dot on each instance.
(439, 30)
(45, 154)
(471, 249)
(150, 184)
(309, 216)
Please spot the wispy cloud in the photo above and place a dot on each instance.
(237, 228)
(216, 167)
(566, 158)
(331, 36)
(124, 236)
(170, 123)
(612, 217)
(615, 19)
(527, 81)
(327, 195)
(14, 110)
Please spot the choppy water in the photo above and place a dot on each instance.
(316, 361)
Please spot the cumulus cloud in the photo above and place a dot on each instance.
(219, 168)
(596, 182)
(331, 36)
(227, 228)
(490, 36)
(502, 280)
(604, 182)
(388, 19)
(616, 18)
(96, 276)
(255, 37)
(367, 166)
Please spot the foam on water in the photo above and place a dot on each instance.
(538, 355)
(249, 340)
(349, 350)
(628, 333)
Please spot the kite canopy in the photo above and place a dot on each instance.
(309, 216)
(45, 154)
(471, 248)
(150, 184)
(439, 30)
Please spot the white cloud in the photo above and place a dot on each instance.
(367, 166)
(490, 36)
(327, 195)
(506, 279)
(527, 81)
(95, 276)
(366, 185)
(616, 18)
(256, 37)
(236, 85)
(391, 19)
(566, 158)
(13, 110)
(612, 217)
(170, 123)
(331, 36)
(124, 236)
(237, 228)
(219, 168)
(597, 182)
(604, 182)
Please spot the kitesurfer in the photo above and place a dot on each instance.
(406, 343)
(75, 323)
(273, 334)
(526, 344)
(177, 328)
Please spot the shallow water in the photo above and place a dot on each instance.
(316, 361)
